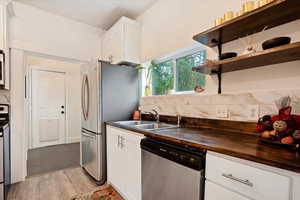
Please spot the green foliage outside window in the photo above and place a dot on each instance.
(186, 79)
(177, 74)
(163, 78)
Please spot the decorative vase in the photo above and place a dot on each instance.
(148, 91)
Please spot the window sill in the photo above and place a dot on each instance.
(175, 94)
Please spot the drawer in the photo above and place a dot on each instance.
(216, 192)
(252, 182)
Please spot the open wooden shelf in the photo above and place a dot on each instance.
(286, 53)
(273, 14)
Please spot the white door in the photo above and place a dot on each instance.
(48, 108)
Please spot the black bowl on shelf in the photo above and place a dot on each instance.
(228, 55)
(276, 42)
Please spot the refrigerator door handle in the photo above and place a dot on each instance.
(83, 98)
(88, 135)
(88, 96)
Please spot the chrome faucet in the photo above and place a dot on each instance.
(156, 114)
(178, 120)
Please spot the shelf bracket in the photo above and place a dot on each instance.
(219, 71)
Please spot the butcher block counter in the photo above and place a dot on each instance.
(245, 146)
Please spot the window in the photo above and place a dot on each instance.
(163, 78)
(176, 74)
(186, 79)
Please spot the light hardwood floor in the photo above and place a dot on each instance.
(59, 185)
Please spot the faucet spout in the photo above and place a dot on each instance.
(156, 114)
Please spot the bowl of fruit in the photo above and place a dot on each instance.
(282, 129)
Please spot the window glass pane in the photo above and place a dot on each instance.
(186, 79)
(163, 78)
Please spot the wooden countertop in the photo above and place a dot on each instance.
(237, 145)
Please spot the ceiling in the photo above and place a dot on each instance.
(100, 13)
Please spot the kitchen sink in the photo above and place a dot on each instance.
(147, 125)
(155, 126)
(134, 123)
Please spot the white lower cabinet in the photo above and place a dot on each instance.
(216, 192)
(229, 178)
(124, 162)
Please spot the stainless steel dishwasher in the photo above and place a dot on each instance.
(171, 171)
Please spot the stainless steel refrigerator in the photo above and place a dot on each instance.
(109, 93)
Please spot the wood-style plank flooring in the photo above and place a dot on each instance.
(59, 185)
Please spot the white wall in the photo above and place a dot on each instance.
(170, 25)
(36, 30)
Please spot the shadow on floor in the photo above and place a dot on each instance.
(53, 158)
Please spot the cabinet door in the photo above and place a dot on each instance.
(133, 167)
(115, 160)
(117, 43)
(216, 192)
(113, 44)
(106, 47)
(132, 43)
(124, 162)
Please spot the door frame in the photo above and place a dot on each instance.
(29, 99)
(20, 108)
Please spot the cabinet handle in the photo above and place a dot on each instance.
(118, 141)
(243, 181)
(122, 141)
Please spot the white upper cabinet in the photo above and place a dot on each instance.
(121, 43)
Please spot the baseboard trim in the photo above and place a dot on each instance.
(73, 140)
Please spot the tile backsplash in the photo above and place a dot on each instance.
(241, 107)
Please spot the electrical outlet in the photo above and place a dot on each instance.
(253, 112)
(222, 111)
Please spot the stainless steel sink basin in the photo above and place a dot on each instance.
(155, 126)
(146, 125)
(133, 123)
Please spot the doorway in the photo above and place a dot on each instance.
(52, 102)
(48, 108)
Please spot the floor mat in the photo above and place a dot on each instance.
(53, 158)
(105, 192)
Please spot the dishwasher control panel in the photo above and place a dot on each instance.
(184, 155)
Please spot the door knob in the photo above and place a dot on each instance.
(62, 106)
(62, 112)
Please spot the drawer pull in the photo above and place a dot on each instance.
(243, 181)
